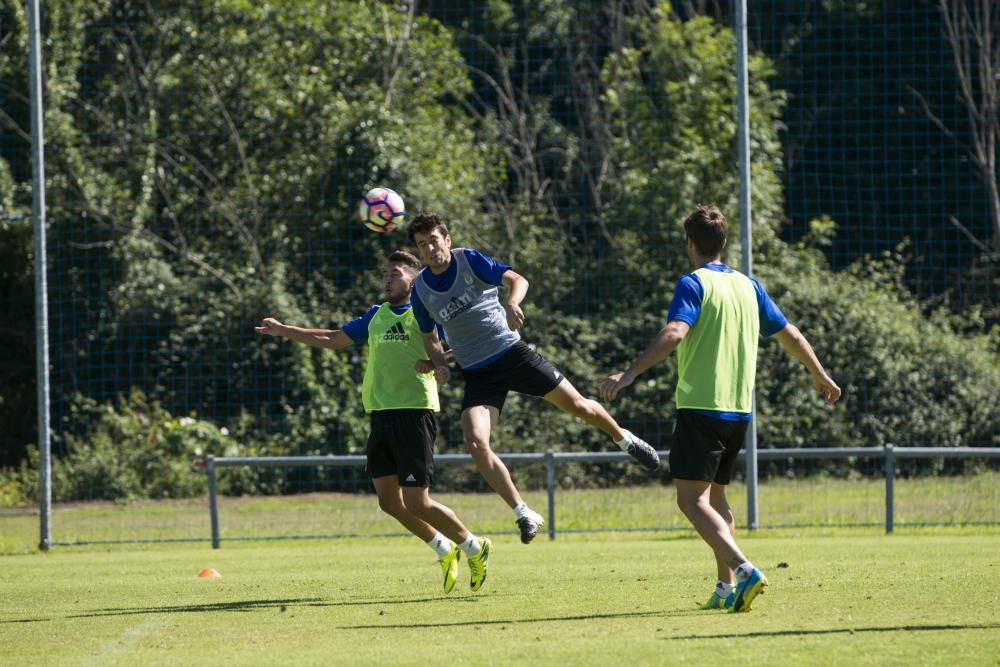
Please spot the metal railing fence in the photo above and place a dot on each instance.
(889, 453)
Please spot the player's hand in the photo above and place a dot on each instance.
(614, 384)
(442, 374)
(270, 327)
(423, 366)
(515, 316)
(826, 387)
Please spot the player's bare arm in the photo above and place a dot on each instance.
(329, 339)
(796, 345)
(517, 288)
(663, 343)
(437, 357)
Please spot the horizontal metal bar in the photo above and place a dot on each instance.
(608, 457)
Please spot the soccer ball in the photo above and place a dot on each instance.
(381, 209)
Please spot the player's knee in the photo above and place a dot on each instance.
(478, 447)
(391, 506)
(583, 407)
(417, 505)
(687, 505)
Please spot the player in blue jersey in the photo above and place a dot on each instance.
(400, 394)
(714, 322)
(458, 289)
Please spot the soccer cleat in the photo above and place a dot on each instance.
(479, 564)
(529, 525)
(449, 566)
(716, 602)
(642, 452)
(747, 590)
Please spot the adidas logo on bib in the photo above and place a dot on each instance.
(396, 332)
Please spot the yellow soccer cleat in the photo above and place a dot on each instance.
(479, 564)
(716, 602)
(449, 566)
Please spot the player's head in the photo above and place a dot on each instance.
(397, 276)
(428, 232)
(706, 233)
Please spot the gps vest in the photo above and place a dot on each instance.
(717, 359)
(395, 344)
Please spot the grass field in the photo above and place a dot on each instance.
(582, 599)
(838, 595)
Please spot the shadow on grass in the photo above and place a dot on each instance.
(504, 621)
(842, 631)
(242, 606)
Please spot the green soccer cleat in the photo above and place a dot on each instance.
(479, 564)
(747, 590)
(449, 566)
(715, 602)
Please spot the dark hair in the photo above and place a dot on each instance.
(706, 227)
(405, 258)
(425, 223)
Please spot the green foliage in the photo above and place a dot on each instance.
(909, 377)
(202, 155)
(673, 115)
(136, 449)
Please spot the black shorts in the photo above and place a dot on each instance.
(705, 448)
(401, 443)
(520, 369)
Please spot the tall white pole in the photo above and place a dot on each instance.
(41, 284)
(746, 235)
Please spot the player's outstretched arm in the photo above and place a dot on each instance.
(796, 345)
(658, 349)
(330, 339)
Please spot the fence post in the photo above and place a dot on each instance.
(213, 505)
(550, 485)
(890, 474)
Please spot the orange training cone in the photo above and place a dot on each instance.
(210, 573)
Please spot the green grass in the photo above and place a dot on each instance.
(582, 599)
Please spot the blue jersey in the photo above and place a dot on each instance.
(686, 307)
(470, 313)
(357, 329)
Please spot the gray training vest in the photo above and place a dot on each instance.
(470, 311)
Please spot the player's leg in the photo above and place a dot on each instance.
(476, 549)
(390, 501)
(419, 503)
(693, 501)
(569, 400)
(383, 450)
(477, 425)
(751, 582)
(724, 594)
(703, 456)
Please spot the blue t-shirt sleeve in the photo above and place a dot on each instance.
(686, 306)
(772, 320)
(358, 329)
(486, 268)
(424, 319)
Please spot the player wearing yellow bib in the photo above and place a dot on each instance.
(400, 393)
(714, 322)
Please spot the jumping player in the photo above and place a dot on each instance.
(458, 289)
